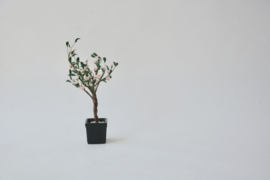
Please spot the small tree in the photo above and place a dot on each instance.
(81, 76)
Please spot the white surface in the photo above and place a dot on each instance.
(190, 98)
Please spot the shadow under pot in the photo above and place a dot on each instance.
(96, 132)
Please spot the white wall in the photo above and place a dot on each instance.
(189, 99)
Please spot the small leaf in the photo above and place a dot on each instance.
(107, 67)
(104, 59)
(78, 59)
(82, 65)
(115, 64)
(92, 55)
(69, 59)
(95, 54)
(77, 85)
(68, 81)
(70, 72)
(67, 43)
(97, 64)
(110, 76)
(76, 40)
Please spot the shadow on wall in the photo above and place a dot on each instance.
(114, 140)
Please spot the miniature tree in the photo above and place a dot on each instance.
(81, 76)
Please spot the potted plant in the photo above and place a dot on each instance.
(88, 80)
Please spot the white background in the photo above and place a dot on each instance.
(189, 100)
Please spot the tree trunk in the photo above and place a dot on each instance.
(95, 101)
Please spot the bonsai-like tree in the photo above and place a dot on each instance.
(81, 76)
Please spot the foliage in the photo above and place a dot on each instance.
(85, 75)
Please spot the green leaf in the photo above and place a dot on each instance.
(67, 43)
(104, 79)
(68, 81)
(69, 59)
(98, 66)
(82, 65)
(107, 67)
(92, 55)
(76, 40)
(115, 64)
(70, 72)
(95, 54)
(104, 59)
(110, 76)
(78, 59)
(76, 85)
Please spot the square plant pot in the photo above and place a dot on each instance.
(96, 132)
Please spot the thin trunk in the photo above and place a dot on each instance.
(95, 101)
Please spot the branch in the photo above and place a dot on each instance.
(82, 80)
(99, 81)
(88, 94)
(89, 72)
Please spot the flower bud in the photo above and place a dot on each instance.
(82, 88)
(108, 71)
(107, 78)
(86, 78)
(77, 82)
(97, 76)
(95, 68)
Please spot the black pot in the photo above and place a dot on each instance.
(96, 132)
